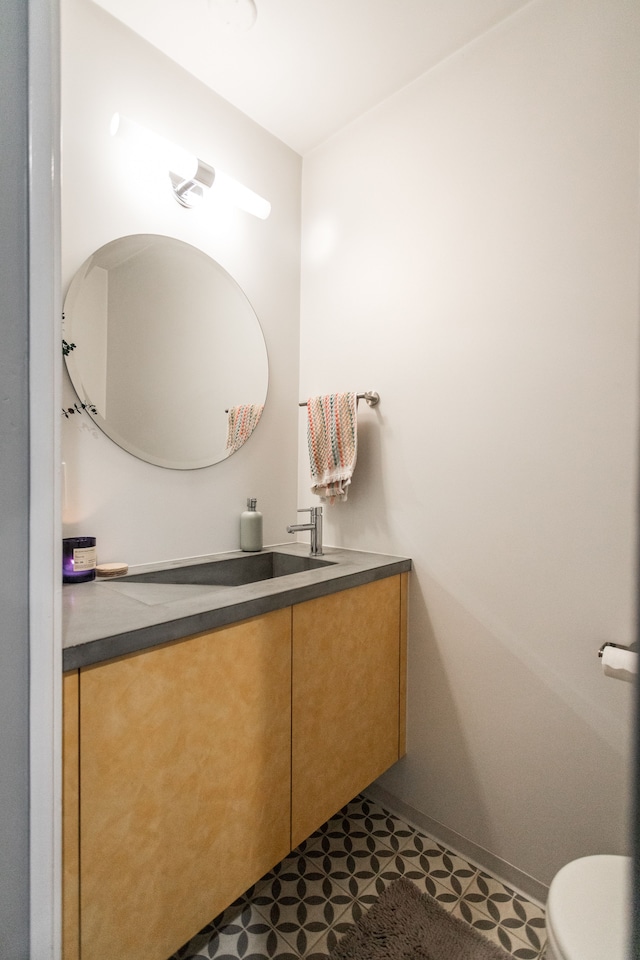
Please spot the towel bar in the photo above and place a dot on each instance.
(370, 396)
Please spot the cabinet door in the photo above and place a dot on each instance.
(70, 818)
(184, 784)
(347, 701)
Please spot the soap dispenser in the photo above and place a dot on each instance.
(251, 527)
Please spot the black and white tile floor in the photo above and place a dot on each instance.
(308, 901)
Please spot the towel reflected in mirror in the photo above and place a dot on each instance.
(242, 421)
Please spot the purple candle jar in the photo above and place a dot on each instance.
(78, 559)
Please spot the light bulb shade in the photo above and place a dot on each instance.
(241, 196)
(156, 150)
(191, 178)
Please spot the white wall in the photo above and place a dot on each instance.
(470, 251)
(139, 512)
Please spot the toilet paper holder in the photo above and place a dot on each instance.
(618, 646)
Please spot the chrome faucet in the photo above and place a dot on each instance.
(315, 526)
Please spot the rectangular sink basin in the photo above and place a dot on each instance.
(234, 572)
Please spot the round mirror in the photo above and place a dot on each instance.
(166, 351)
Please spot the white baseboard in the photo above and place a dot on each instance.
(521, 882)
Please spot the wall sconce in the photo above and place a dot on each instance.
(190, 177)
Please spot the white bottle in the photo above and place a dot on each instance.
(251, 527)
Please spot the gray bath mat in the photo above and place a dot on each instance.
(404, 924)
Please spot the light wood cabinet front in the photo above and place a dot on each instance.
(192, 768)
(70, 817)
(184, 783)
(347, 697)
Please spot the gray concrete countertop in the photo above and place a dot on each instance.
(108, 618)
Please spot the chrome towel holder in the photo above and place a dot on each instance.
(370, 396)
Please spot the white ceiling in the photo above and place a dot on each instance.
(308, 67)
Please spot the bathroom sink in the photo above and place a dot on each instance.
(234, 572)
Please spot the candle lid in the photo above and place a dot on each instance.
(112, 569)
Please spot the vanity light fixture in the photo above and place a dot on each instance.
(190, 177)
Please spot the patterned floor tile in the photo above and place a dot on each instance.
(350, 860)
(330, 938)
(301, 908)
(438, 864)
(506, 912)
(366, 816)
(497, 933)
(300, 902)
(240, 933)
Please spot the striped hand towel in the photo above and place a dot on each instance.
(242, 421)
(333, 443)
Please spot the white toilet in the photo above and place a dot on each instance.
(589, 910)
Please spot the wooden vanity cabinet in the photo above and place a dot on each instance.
(190, 769)
(184, 784)
(348, 697)
(70, 816)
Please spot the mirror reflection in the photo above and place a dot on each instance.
(168, 351)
